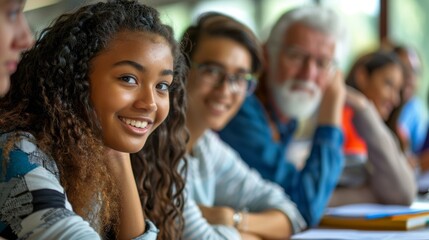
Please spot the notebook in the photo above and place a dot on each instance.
(375, 217)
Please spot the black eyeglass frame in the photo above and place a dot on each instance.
(249, 78)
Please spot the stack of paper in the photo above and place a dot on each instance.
(375, 217)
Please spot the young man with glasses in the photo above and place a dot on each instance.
(215, 75)
(225, 198)
(300, 81)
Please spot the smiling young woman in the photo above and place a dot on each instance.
(137, 86)
(378, 165)
(93, 129)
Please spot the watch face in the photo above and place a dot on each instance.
(236, 219)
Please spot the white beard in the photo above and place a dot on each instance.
(298, 103)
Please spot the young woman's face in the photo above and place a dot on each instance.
(383, 87)
(130, 82)
(15, 36)
(212, 105)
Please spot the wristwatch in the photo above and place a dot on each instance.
(237, 218)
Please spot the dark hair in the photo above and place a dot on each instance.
(409, 51)
(50, 98)
(372, 62)
(216, 24)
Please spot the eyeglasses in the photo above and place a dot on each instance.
(298, 58)
(215, 75)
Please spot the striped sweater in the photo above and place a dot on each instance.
(33, 204)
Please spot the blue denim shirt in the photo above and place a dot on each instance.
(310, 188)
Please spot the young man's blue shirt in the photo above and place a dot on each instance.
(250, 134)
(413, 120)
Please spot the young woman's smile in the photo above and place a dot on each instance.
(130, 88)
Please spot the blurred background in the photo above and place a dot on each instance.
(369, 23)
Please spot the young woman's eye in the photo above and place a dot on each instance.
(128, 79)
(165, 87)
(12, 16)
(13, 13)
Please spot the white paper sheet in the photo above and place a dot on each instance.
(332, 234)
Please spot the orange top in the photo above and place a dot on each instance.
(353, 143)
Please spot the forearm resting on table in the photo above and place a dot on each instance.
(271, 224)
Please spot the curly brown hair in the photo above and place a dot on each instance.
(50, 98)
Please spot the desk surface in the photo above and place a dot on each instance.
(321, 233)
(421, 202)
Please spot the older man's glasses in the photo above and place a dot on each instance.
(239, 83)
(298, 58)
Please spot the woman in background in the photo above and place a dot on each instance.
(385, 177)
(82, 105)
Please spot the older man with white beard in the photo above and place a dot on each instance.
(300, 80)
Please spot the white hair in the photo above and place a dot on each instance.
(317, 17)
